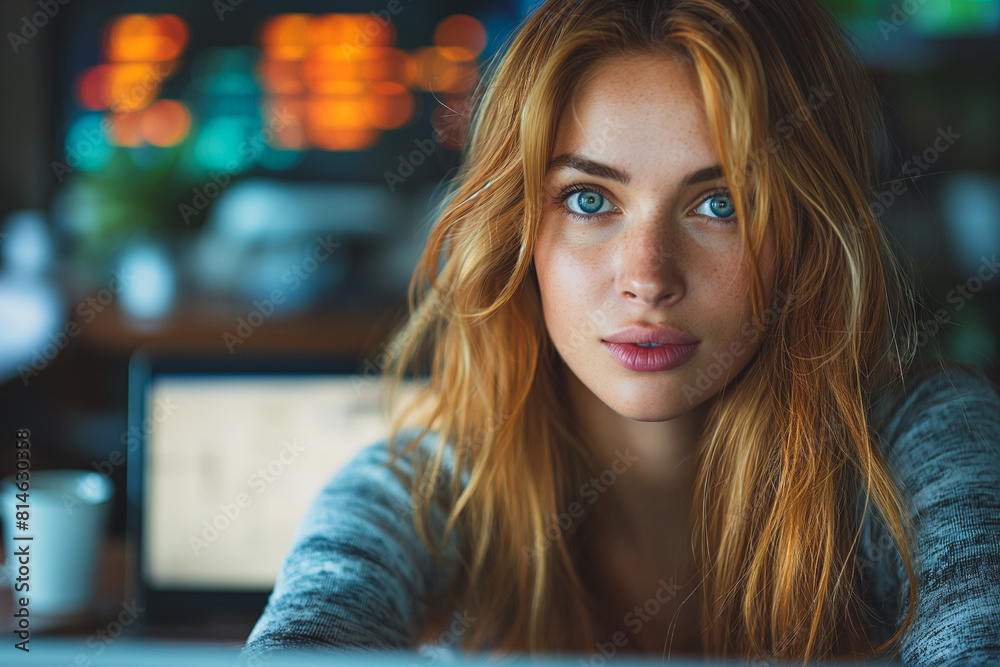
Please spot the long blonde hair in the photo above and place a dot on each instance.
(790, 448)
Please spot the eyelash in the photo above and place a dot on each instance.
(560, 200)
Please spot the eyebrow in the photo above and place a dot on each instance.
(607, 172)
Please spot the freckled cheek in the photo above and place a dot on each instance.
(570, 288)
(731, 307)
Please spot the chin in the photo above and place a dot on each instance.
(644, 407)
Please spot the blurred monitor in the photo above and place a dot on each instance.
(179, 91)
(225, 454)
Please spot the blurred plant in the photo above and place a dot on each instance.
(134, 192)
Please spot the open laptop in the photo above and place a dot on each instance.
(230, 450)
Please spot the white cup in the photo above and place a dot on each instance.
(66, 516)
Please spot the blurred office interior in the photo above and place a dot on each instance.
(260, 175)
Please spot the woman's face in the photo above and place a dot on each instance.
(638, 230)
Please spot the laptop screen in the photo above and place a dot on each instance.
(232, 461)
(233, 452)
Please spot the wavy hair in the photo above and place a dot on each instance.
(791, 449)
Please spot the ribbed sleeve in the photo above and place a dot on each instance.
(943, 446)
(357, 574)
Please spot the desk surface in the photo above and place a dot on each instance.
(53, 652)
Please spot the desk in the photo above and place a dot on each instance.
(109, 597)
(133, 653)
(111, 607)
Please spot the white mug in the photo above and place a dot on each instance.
(55, 522)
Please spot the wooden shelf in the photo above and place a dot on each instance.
(351, 330)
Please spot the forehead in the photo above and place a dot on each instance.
(645, 103)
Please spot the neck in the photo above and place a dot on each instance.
(645, 469)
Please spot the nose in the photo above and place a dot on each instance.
(649, 267)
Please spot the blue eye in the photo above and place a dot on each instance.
(588, 202)
(720, 205)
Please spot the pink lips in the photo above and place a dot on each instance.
(650, 359)
(674, 348)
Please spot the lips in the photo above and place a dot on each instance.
(649, 348)
(650, 359)
(658, 335)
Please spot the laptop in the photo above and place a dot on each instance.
(230, 449)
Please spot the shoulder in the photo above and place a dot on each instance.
(946, 415)
(955, 402)
(942, 444)
(382, 472)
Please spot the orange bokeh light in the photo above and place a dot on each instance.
(461, 30)
(347, 81)
(350, 31)
(390, 105)
(338, 112)
(174, 30)
(290, 133)
(328, 66)
(339, 139)
(436, 72)
(91, 87)
(458, 54)
(464, 78)
(121, 86)
(145, 38)
(131, 86)
(286, 36)
(283, 77)
(126, 129)
(165, 123)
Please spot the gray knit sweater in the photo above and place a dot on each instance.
(358, 575)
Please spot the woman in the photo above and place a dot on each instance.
(672, 406)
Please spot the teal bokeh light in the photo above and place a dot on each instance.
(87, 147)
(227, 143)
